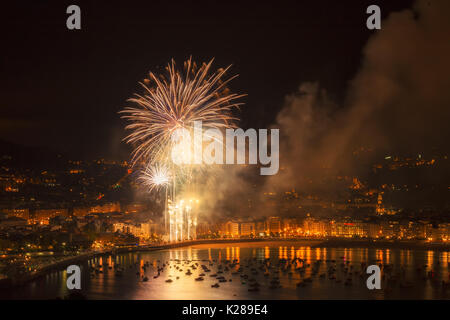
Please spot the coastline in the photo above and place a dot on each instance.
(314, 243)
(384, 244)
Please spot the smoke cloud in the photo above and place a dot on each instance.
(398, 102)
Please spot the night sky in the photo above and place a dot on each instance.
(62, 89)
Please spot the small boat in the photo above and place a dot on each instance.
(145, 279)
(169, 280)
(199, 279)
(216, 285)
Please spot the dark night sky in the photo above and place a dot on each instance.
(62, 89)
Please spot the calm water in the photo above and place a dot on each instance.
(411, 283)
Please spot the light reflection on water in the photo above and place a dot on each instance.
(105, 284)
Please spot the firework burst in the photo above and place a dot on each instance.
(154, 177)
(175, 100)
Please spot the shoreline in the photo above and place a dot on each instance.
(329, 243)
(384, 244)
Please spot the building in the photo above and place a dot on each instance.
(260, 228)
(134, 208)
(80, 211)
(13, 222)
(149, 228)
(290, 225)
(23, 213)
(105, 208)
(230, 229)
(441, 232)
(129, 228)
(273, 225)
(348, 229)
(373, 230)
(315, 227)
(248, 229)
(42, 216)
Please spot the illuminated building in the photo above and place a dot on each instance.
(204, 228)
(134, 208)
(374, 230)
(231, 229)
(290, 225)
(149, 228)
(13, 222)
(42, 216)
(247, 228)
(441, 233)
(379, 208)
(106, 208)
(23, 213)
(80, 211)
(273, 225)
(260, 228)
(348, 229)
(314, 227)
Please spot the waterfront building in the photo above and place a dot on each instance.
(248, 229)
(273, 225)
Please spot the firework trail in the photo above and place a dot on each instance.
(173, 101)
